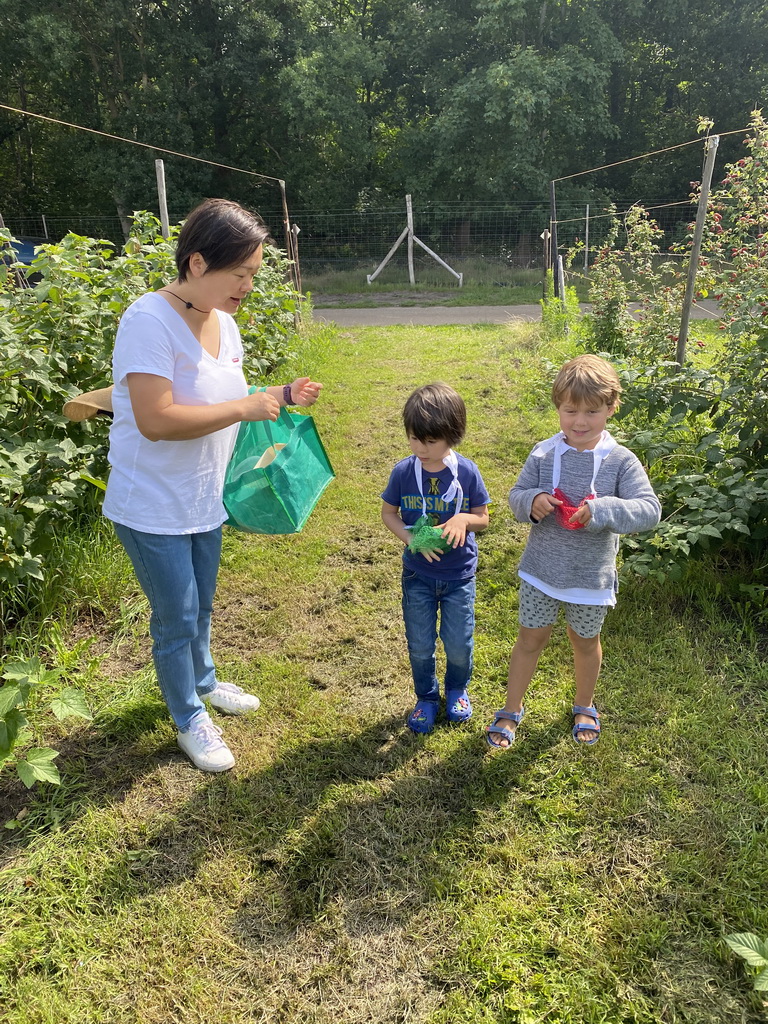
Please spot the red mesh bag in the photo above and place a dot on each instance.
(564, 512)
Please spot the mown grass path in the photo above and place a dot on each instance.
(346, 871)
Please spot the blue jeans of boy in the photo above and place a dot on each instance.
(455, 600)
(178, 575)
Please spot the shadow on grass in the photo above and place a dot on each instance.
(376, 827)
(352, 815)
(98, 765)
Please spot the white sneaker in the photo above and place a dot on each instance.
(204, 746)
(232, 699)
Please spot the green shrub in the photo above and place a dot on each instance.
(701, 429)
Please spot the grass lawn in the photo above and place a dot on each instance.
(347, 871)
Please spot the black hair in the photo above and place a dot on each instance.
(435, 412)
(224, 233)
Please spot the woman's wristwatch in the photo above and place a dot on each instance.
(287, 396)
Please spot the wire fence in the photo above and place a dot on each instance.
(497, 236)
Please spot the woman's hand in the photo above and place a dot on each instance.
(261, 405)
(305, 391)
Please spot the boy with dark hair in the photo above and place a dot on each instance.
(438, 484)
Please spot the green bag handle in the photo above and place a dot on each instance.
(285, 417)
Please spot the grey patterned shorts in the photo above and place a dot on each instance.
(538, 610)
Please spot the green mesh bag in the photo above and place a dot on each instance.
(426, 537)
(276, 474)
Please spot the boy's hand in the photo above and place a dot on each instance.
(454, 530)
(543, 504)
(582, 516)
(431, 556)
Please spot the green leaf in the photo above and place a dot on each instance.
(70, 703)
(761, 981)
(750, 947)
(92, 480)
(39, 767)
(710, 531)
(10, 696)
(25, 670)
(9, 731)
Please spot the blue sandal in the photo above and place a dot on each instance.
(422, 718)
(458, 707)
(580, 727)
(494, 729)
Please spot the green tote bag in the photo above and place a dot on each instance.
(276, 474)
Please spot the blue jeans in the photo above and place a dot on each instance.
(455, 599)
(178, 575)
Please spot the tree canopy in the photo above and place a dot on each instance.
(355, 102)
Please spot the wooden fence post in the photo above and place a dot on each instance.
(161, 197)
(560, 278)
(586, 241)
(295, 229)
(553, 237)
(701, 215)
(409, 220)
(290, 252)
(407, 232)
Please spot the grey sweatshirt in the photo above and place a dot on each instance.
(625, 503)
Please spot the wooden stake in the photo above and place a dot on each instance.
(545, 238)
(586, 241)
(560, 278)
(710, 149)
(409, 218)
(459, 277)
(295, 229)
(553, 237)
(161, 197)
(293, 269)
(407, 232)
(370, 278)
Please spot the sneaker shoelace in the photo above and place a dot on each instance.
(207, 734)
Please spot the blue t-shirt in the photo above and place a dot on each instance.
(403, 491)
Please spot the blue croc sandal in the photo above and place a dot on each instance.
(422, 718)
(580, 727)
(494, 729)
(458, 707)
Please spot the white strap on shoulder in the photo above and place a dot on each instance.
(454, 489)
(558, 444)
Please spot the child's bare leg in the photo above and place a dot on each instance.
(587, 659)
(522, 664)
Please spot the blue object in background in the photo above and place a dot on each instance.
(25, 249)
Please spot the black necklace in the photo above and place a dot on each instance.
(187, 304)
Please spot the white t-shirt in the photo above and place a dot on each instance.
(170, 487)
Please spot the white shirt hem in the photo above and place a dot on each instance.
(571, 595)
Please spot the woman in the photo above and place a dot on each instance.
(178, 398)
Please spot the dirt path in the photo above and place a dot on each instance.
(384, 316)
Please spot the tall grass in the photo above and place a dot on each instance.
(485, 283)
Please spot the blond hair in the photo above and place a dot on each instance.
(587, 380)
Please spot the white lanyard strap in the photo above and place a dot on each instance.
(558, 444)
(454, 490)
